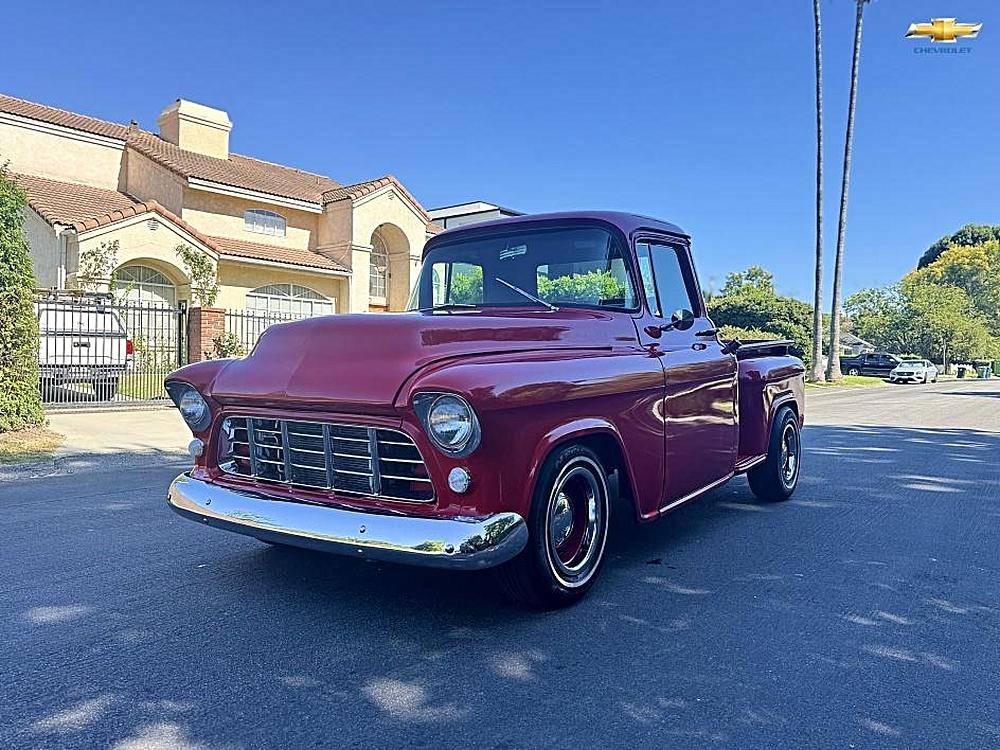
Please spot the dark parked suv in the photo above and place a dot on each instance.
(878, 364)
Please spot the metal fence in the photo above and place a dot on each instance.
(99, 351)
(244, 327)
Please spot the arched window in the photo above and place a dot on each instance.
(262, 221)
(137, 283)
(289, 299)
(379, 268)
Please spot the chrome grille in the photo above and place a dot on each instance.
(354, 459)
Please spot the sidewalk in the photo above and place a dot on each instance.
(117, 432)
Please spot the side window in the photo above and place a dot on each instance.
(671, 287)
(646, 272)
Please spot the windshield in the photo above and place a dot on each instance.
(581, 266)
(910, 365)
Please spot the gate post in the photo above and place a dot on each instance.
(204, 324)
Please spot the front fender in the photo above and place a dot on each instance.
(528, 403)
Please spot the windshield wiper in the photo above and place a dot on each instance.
(448, 306)
(526, 295)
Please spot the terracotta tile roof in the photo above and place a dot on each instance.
(55, 116)
(84, 207)
(258, 251)
(361, 189)
(236, 171)
(67, 203)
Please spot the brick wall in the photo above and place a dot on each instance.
(204, 324)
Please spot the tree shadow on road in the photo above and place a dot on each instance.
(730, 622)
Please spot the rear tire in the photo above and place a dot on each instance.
(777, 476)
(567, 532)
(106, 390)
(854, 371)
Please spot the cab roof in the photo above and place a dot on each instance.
(625, 222)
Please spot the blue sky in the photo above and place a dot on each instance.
(699, 113)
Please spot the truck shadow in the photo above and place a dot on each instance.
(842, 466)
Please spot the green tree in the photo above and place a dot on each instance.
(20, 401)
(466, 284)
(970, 234)
(585, 288)
(975, 269)
(754, 279)
(880, 317)
(945, 323)
(748, 307)
(918, 316)
(202, 272)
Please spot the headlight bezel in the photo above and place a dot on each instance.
(180, 391)
(425, 403)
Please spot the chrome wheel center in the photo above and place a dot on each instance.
(562, 520)
(789, 454)
(577, 522)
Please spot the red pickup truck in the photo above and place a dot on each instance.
(552, 370)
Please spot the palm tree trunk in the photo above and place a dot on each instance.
(817, 347)
(833, 363)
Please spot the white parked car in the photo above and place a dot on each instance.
(914, 371)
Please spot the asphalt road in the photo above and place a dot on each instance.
(863, 613)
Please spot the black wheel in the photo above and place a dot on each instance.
(567, 532)
(775, 479)
(854, 371)
(106, 390)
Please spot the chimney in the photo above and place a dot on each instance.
(195, 127)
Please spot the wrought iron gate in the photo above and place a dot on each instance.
(97, 351)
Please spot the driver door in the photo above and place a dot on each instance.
(699, 412)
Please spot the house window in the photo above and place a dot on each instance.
(289, 299)
(264, 222)
(144, 285)
(379, 268)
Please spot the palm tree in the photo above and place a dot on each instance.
(833, 361)
(817, 348)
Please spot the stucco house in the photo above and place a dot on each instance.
(279, 238)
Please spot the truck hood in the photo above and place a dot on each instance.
(360, 362)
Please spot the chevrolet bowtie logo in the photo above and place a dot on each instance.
(944, 30)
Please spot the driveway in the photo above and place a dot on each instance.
(863, 613)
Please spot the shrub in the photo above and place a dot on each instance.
(20, 401)
(226, 346)
(204, 280)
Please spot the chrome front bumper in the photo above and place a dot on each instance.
(458, 543)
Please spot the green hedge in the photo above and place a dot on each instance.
(20, 401)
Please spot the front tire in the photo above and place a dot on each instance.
(776, 478)
(567, 532)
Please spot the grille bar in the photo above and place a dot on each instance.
(342, 458)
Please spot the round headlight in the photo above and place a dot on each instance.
(451, 422)
(194, 409)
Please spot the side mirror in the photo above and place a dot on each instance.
(682, 319)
